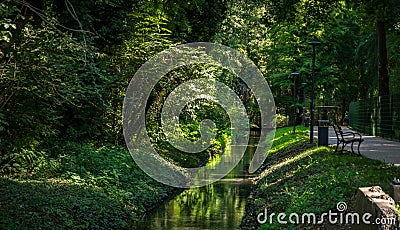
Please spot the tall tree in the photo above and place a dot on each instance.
(382, 53)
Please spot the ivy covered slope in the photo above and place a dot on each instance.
(299, 179)
(86, 187)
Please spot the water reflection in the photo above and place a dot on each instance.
(216, 206)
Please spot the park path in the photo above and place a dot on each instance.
(373, 147)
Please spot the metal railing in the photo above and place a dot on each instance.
(379, 116)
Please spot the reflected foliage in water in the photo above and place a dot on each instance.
(216, 206)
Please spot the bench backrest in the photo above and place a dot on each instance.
(338, 131)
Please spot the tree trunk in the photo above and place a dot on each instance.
(383, 59)
(385, 112)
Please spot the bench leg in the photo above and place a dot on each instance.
(358, 148)
(352, 150)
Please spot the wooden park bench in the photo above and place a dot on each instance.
(347, 137)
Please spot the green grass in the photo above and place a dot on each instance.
(86, 187)
(299, 179)
(284, 138)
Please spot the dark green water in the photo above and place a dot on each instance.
(216, 206)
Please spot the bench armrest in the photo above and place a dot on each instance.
(359, 135)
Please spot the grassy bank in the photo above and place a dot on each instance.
(72, 185)
(85, 188)
(299, 179)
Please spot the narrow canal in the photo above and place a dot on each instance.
(216, 206)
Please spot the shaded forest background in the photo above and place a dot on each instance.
(65, 65)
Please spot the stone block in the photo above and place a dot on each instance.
(377, 208)
(395, 192)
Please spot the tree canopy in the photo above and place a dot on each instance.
(65, 65)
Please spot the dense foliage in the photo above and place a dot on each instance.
(65, 66)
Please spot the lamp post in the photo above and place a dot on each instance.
(314, 44)
(304, 103)
(294, 74)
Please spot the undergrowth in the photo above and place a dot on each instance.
(84, 188)
(298, 179)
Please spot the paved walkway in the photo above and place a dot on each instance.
(372, 147)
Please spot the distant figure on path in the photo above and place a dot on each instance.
(346, 120)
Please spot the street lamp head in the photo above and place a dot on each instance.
(304, 83)
(314, 43)
(295, 73)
